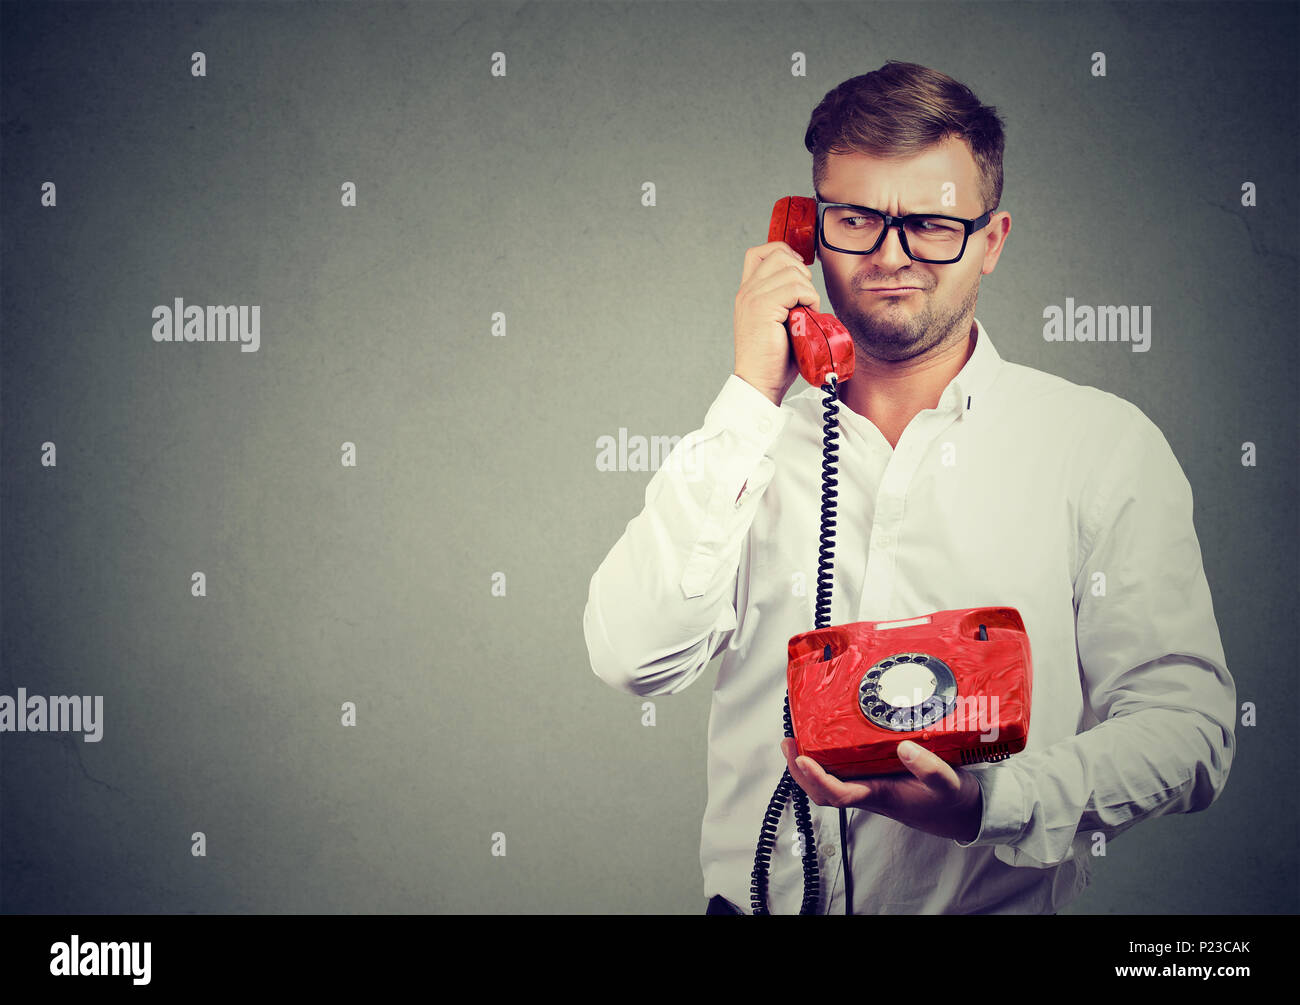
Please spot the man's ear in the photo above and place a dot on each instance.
(996, 239)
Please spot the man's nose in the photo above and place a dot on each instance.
(890, 254)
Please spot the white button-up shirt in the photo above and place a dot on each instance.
(1020, 489)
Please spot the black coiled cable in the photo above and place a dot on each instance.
(826, 540)
(786, 788)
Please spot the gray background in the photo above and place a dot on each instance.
(371, 584)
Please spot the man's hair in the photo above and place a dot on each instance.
(902, 110)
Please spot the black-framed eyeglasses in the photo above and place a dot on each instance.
(926, 237)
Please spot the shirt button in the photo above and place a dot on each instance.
(828, 851)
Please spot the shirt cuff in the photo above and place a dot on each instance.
(1004, 819)
(747, 411)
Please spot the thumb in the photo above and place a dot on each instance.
(928, 767)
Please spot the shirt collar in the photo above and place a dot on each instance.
(966, 390)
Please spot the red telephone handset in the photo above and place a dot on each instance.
(821, 344)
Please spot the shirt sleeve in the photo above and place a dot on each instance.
(663, 602)
(1152, 667)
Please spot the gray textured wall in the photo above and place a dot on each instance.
(476, 454)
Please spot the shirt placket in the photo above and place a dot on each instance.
(887, 520)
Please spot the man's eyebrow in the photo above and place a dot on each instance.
(901, 212)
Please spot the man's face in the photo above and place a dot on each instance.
(901, 326)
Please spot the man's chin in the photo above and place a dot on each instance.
(887, 354)
(891, 346)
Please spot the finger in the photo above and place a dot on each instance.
(822, 787)
(775, 253)
(803, 777)
(794, 288)
(928, 767)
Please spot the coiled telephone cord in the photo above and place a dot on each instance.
(786, 789)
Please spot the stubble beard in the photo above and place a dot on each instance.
(894, 332)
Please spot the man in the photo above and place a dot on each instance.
(964, 481)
